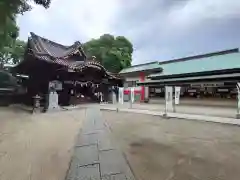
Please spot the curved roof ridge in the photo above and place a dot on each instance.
(66, 50)
(54, 43)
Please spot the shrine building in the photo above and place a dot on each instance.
(50, 66)
(213, 75)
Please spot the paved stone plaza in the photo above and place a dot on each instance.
(176, 149)
(89, 144)
(37, 146)
(95, 156)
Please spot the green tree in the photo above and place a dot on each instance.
(7, 41)
(13, 54)
(9, 34)
(18, 51)
(114, 53)
(9, 9)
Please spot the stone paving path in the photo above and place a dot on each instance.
(95, 156)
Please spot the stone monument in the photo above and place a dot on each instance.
(53, 101)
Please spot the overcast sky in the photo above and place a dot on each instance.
(159, 29)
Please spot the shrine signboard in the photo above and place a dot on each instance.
(177, 94)
(121, 94)
(168, 98)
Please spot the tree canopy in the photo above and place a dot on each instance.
(114, 53)
(9, 9)
(9, 34)
(14, 53)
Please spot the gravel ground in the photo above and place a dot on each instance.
(172, 149)
(37, 147)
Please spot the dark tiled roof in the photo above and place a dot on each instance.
(52, 52)
(68, 63)
(40, 45)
